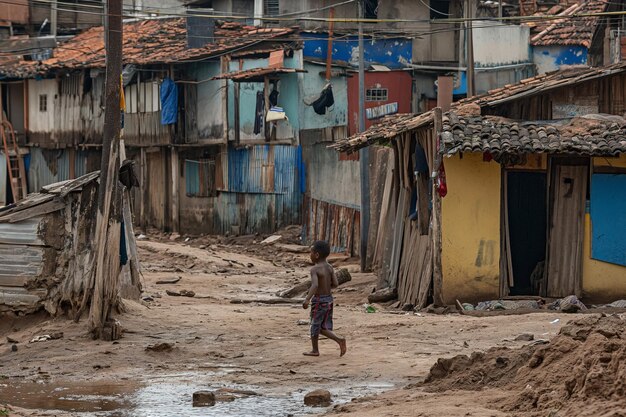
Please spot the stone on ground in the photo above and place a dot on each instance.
(318, 398)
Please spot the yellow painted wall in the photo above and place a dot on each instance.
(471, 229)
(602, 281)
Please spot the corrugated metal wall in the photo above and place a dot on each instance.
(264, 189)
(48, 166)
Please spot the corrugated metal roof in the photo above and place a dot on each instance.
(25, 232)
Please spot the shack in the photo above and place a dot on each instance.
(46, 242)
(520, 191)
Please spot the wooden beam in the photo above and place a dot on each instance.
(436, 215)
(266, 94)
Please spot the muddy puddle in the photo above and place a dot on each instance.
(169, 395)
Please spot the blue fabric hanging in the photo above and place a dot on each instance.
(169, 102)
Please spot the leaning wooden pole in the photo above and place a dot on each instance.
(107, 237)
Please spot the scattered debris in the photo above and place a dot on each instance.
(169, 280)
(267, 300)
(383, 295)
(181, 293)
(303, 322)
(271, 239)
(203, 399)
(525, 337)
(555, 321)
(569, 304)
(318, 398)
(46, 337)
(160, 347)
(369, 309)
(13, 348)
(11, 340)
(142, 237)
(408, 307)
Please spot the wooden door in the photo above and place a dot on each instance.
(568, 191)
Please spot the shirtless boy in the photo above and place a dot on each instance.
(323, 279)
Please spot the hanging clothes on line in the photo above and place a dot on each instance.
(259, 112)
(325, 100)
(169, 102)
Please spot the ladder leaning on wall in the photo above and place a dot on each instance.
(15, 163)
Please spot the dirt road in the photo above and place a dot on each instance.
(209, 343)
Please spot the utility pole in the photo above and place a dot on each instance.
(363, 153)
(105, 271)
(470, 48)
(53, 18)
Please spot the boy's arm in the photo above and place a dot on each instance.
(312, 290)
(334, 283)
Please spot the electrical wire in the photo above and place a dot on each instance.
(527, 19)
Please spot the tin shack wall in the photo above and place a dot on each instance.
(398, 84)
(259, 190)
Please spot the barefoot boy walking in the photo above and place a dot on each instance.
(323, 279)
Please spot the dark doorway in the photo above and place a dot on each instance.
(527, 229)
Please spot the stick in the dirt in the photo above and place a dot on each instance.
(343, 276)
(267, 300)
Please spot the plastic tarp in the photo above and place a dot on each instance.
(169, 102)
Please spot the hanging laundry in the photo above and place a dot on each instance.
(442, 187)
(275, 114)
(169, 102)
(259, 112)
(325, 100)
(274, 97)
(122, 101)
(421, 164)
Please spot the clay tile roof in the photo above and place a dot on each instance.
(151, 41)
(384, 131)
(571, 30)
(598, 135)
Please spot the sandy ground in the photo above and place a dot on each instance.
(216, 343)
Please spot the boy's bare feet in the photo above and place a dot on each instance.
(311, 353)
(343, 347)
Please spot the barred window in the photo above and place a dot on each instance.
(43, 103)
(377, 94)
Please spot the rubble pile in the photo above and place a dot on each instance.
(582, 371)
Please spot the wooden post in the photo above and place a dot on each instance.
(175, 190)
(106, 265)
(436, 215)
(266, 94)
(72, 156)
(329, 48)
(236, 104)
(143, 177)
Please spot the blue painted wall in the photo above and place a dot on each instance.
(209, 100)
(288, 99)
(265, 184)
(394, 53)
(608, 218)
(551, 58)
(311, 86)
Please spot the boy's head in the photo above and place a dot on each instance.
(319, 251)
